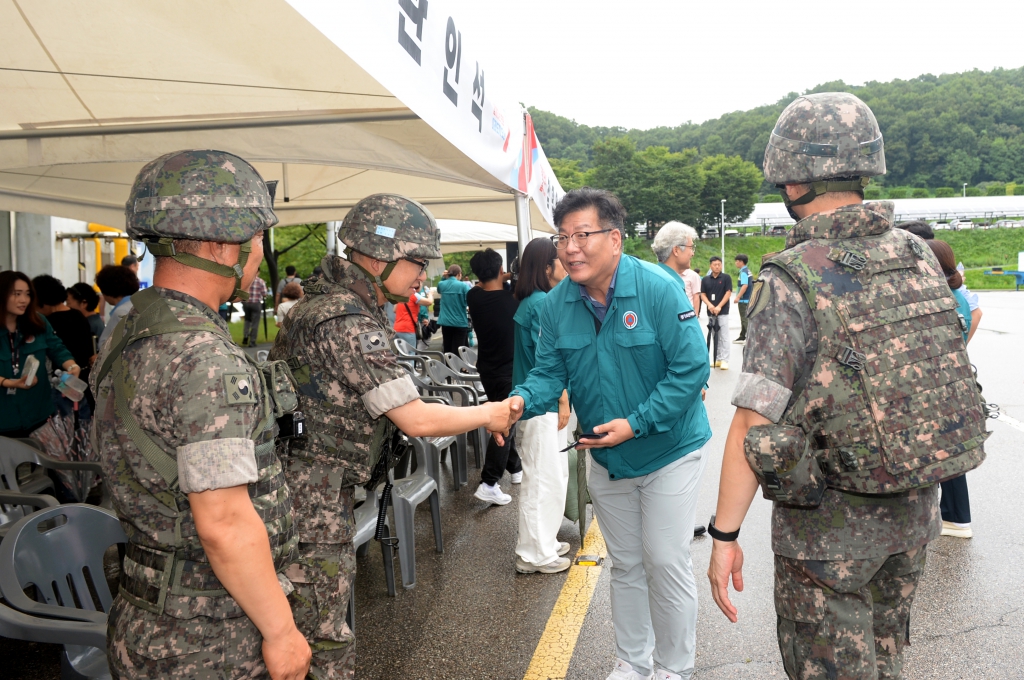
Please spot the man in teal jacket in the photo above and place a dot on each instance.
(624, 340)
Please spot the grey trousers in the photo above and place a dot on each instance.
(723, 339)
(647, 523)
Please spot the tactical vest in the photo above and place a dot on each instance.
(335, 434)
(180, 568)
(891, 403)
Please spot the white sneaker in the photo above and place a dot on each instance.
(492, 494)
(623, 671)
(560, 564)
(562, 548)
(662, 674)
(956, 530)
(517, 477)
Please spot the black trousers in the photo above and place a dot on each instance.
(454, 337)
(956, 503)
(499, 458)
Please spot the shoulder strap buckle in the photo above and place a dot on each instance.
(851, 358)
(848, 258)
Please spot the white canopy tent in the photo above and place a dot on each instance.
(92, 91)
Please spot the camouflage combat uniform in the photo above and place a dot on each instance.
(182, 401)
(845, 571)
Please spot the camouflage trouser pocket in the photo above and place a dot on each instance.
(784, 464)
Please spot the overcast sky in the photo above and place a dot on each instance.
(644, 63)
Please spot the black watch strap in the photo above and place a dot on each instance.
(721, 535)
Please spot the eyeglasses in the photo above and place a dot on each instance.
(561, 241)
(422, 264)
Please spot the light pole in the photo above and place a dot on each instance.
(723, 232)
(965, 189)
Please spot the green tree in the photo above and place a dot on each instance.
(731, 178)
(668, 186)
(568, 173)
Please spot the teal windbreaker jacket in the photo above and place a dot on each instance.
(647, 363)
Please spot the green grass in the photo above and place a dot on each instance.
(236, 331)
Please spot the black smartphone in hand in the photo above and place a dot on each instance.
(593, 435)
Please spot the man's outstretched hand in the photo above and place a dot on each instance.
(726, 562)
(499, 420)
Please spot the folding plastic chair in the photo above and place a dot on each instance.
(405, 496)
(463, 369)
(469, 355)
(14, 506)
(16, 452)
(460, 459)
(75, 634)
(64, 561)
(440, 374)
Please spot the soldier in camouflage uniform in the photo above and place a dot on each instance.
(856, 397)
(353, 394)
(186, 439)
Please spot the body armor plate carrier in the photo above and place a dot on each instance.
(181, 568)
(891, 403)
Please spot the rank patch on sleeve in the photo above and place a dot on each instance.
(373, 341)
(238, 388)
(758, 299)
(685, 316)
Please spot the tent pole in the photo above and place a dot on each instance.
(523, 221)
(331, 231)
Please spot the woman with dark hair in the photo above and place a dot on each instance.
(539, 439)
(82, 297)
(25, 401)
(956, 502)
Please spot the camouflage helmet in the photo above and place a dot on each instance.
(200, 195)
(821, 136)
(389, 227)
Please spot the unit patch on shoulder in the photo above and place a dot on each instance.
(685, 316)
(758, 298)
(374, 341)
(238, 390)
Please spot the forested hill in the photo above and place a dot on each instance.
(940, 131)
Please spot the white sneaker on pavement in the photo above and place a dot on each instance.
(562, 548)
(623, 671)
(517, 477)
(560, 564)
(662, 674)
(492, 494)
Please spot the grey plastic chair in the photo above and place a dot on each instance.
(14, 506)
(460, 455)
(20, 626)
(16, 452)
(440, 374)
(463, 369)
(469, 355)
(65, 564)
(366, 525)
(405, 496)
(407, 353)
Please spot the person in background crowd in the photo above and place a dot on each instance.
(406, 319)
(715, 291)
(743, 294)
(423, 315)
(82, 297)
(623, 338)
(290, 294)
(289, 279)
(253, 310)
(117, 284)
(131, 262)
(541, 439)
(923, 230)
(674, 246)
(955, 503)
(23, 407)
(492, 309)
(69, 324)
(452, 318)
(225, 310)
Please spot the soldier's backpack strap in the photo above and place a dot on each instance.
(155, 317)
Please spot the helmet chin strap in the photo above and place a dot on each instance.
(379, 280)
(164, 247)
(822, 187)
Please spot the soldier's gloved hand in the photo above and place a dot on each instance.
(287, 656)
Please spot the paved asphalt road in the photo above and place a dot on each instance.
(471, 616)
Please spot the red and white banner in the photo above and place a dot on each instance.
(417, 50)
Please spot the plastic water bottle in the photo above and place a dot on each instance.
(71, 387)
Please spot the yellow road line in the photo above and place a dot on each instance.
(554, 651)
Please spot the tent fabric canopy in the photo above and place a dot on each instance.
(269, 88)
(461, 235)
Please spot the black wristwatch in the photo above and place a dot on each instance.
(721, 535)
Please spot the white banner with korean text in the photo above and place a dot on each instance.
(417, 51)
